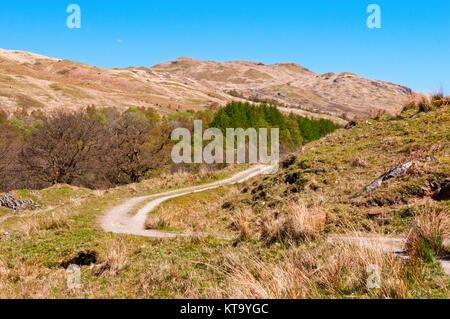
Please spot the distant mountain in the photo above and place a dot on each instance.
(33, 81)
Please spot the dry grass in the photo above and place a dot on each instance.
(377, 113)
(157, 277)
(205, 173)
(295, 222)
(160, 221)
(196, 213)
(329, 270)
(47, 221)
(431, 229)
(358, 161)
(116, 257)
(242, 224)
(23, 280)
(300, 223)
(424, 103)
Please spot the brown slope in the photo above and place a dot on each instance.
(34, 81)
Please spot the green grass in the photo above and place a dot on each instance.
(67, 221)
(336, 168)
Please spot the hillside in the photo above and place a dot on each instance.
(272, 237)
(32, 81)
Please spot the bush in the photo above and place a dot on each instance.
(426, 103)
(431, 228)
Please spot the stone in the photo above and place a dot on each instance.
(393, 172)
(10, 202)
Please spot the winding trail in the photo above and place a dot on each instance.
(118, 219)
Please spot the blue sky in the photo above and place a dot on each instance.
(412, 47)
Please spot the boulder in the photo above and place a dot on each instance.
(393, 172)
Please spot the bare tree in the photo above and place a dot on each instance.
(137, 146)
(63, 148)
(10, 142)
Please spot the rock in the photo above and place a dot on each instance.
(393, 172)
(10, 202)
(350, 125)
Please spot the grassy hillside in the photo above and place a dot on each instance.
(330, 173)
(267, 238)
(37, 82)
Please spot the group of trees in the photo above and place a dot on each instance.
(100, 148)
(88, 148)
(294, 130)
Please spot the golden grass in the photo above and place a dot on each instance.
(425, 103)
(23, 280)
(242, 224)
(430, 231)
(323, 271)
(70, 91)
(196, 213)
(47, 221)
(116, 257)
(298, 224)
(160, 221)
(294, 222)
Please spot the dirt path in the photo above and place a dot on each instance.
(394, 245)
(118, 220)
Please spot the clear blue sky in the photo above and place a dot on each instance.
(412, 47)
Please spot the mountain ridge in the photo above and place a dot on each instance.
(33, 81)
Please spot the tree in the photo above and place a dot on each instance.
(63, 148)
(10, 141)
(292, 126)
(137, 146)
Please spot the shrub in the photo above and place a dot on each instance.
(438, 99)
(298, 224)
(424, 104)
(431, 229)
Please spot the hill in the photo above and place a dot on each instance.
(275, 236)
(33, 81)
